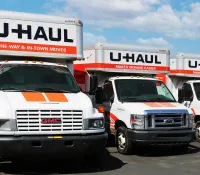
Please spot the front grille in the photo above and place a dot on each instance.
(164, 120)
(31, 120)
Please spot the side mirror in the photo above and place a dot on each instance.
(112, 99)
(99, 95)
(191, 98)
(93, 83)
(180, 95)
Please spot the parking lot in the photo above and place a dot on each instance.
(146, 161)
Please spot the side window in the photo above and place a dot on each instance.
(187, 92)
(108, 91)
(162, 90)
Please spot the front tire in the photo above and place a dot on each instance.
(123, 143)
(197, 131)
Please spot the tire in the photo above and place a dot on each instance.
(123, 144)
(197, 131)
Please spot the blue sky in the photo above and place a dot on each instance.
(172, 24)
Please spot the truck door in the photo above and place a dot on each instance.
(108, 96)
(187, 95)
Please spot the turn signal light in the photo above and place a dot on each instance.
(101, 109)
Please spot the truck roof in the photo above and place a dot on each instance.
(127, 47)
(111, 57)
(193, 81)
(39, 35)
(4, 14)
(31, 62)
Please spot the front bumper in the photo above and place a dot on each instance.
(51, 146)
(170, 137)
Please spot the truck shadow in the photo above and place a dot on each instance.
(165, 152)
(78, 166)
(159, 151)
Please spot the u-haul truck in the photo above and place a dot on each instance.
(43, 112)
(139, 109)
(184, 83)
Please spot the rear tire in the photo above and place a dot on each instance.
(123, 143)
(197, 131)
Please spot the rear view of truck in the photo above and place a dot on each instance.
(43, 112)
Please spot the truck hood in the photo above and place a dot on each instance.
(139, 108)
(12, 101)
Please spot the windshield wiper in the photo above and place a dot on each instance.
(160, 99)
(53, 90)
(134, 98)
(13, 89)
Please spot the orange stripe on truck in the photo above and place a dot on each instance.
(44, 48)
(82, 67)
(185, 72)
(160, 104)
(150, 104)
(33, 96)
(166, 104)
(56, 97)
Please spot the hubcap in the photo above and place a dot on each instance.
(121, 140)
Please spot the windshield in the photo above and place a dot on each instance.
(43, 78)
(132, 90)
(197, 90)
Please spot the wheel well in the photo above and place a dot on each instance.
(119, 123)
(197, 118)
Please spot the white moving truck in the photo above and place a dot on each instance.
(139, 109)
(184, 83)
(43, 112)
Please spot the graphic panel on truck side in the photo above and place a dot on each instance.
(38, 37)
(135, 60)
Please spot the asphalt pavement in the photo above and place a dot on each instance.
(146, 161)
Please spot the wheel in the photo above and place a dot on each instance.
(123, 144)
(197, 131)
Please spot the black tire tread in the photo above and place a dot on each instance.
(129, 147)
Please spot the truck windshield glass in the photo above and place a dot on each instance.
(132, 90)
(197, 90)
(42, 78)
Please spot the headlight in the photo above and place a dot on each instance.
(137, 121)
(5, 125)
(190, 120)
(96, 123)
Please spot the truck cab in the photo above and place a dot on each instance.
(139, 108)
(43, 111)
(184, 82)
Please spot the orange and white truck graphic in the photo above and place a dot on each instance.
(43, 111)
(139, 108)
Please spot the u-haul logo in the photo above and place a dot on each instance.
(194, 64)
(136, 58)
(46, 34)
